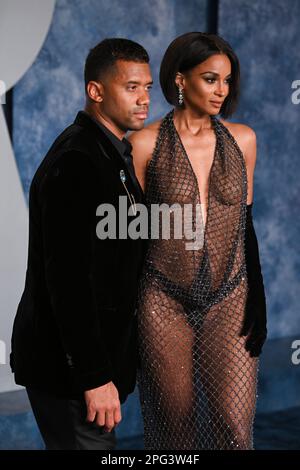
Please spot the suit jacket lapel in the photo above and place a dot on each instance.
(108, 150)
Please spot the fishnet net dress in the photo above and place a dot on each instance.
(197, 382)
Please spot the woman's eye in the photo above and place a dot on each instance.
(213, 80)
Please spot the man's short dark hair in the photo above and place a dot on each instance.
(189, 50)
(102, 58)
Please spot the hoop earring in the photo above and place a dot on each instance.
(180, 96)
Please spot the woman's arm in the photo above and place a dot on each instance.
(255, 320)
(250, 158)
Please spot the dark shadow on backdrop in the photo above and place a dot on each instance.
(8, 112)
(212, 16)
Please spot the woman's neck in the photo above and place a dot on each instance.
(191, 121)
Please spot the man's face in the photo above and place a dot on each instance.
(125, 98)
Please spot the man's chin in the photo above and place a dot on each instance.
(137, 125)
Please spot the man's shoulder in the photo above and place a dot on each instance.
(62, 161)
(71, 148)
(73, 138)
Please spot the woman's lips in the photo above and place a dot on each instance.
(216, 104)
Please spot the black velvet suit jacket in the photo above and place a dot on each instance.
(75, 327)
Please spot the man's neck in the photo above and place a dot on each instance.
(105, 121)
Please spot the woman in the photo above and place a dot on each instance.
(202, 315)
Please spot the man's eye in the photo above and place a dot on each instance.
(149, 87)
(131, 88)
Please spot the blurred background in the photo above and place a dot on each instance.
(43, 46)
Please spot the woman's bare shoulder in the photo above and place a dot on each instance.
(240, 131)
(143, 141)
(143, 144)
(244, 135)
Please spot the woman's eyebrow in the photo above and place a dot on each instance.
(214, 73)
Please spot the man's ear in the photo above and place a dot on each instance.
(95, 91)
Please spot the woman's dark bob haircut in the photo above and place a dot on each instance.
(189, 50)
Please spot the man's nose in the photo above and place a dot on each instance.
(144, 98)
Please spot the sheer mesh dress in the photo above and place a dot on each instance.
(197, 382)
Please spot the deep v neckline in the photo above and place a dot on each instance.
(186, 156)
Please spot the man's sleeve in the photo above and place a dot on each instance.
(68, 226)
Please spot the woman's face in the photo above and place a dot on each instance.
(206, 86)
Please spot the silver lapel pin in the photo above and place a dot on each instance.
(130, 196)
(122, 176)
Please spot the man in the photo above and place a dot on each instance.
(74, 336)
